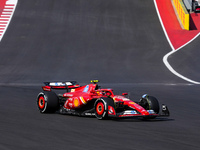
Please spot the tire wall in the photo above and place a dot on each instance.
(182, 13)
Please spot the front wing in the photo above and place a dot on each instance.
(133, 113)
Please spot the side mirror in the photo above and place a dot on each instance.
(124, 94)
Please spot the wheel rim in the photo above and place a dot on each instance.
(100, 108)
(41, 102)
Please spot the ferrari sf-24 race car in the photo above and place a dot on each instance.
(91, 100)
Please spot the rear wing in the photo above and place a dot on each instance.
(60, 85)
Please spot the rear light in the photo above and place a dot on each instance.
(46, 88)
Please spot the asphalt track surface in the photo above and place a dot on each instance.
(119, 42)
(190, 69)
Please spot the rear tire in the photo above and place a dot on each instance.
(47, 102)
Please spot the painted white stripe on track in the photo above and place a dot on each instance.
(9, 7)
(165, 58)
(7, 10)
(6, 13)
(5, 16)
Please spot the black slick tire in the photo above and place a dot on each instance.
(47, 102)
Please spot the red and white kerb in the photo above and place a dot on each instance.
(7, 8)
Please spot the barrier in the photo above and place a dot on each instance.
(182, 13)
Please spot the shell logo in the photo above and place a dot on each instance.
(76, 102)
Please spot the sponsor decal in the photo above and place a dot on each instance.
(76, 102)
(132, 103)
(117, 98)
(151, 111)
(68, 95)
(68, 103)
(82, 100)
(130, 112)
(89, 114)
(56, 84)
(72, 90)
(68, 83)
(86, 88)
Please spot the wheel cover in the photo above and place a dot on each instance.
(100, 108)
(41, 102)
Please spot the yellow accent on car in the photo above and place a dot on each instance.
(132, 102)
(82, 99)
(94, 81)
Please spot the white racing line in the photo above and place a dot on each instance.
(6, 16)
(173, 51)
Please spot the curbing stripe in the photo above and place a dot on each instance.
(6, 15)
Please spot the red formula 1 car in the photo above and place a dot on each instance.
(91, 100)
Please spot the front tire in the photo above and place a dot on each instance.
(150, 103)
(101, 109)
(47, 102)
